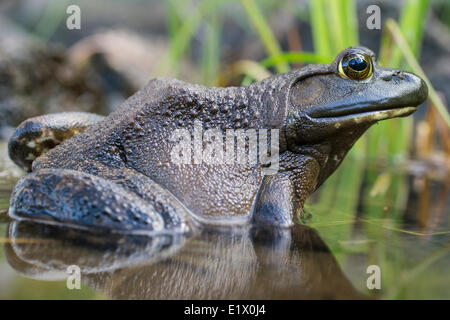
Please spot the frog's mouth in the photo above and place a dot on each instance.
(361, 113)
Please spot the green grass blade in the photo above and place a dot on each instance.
(181, 40)
(287, 57)
(264, 32)
(294, 57)
(336, 25)
(52, 17)
(211, 50)
(399, 39)
(350, 20)
(412, 24)
(173, 19)
(321, 36)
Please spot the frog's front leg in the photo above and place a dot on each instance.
(282, 195)
(37, 135)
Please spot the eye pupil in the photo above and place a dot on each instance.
(357, 64)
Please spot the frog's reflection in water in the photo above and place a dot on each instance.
(233, 263)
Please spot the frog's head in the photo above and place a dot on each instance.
(330, 108)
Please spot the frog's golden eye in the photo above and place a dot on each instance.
(355, 66)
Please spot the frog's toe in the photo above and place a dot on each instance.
(72, 198)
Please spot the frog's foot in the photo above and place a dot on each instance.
(275, 204)
(82, 200)
(37, 135)
(282, 195)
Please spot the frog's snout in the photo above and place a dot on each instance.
(416, 91)
(419, 88)
(422, 92)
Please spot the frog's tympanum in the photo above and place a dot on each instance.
(119, 174)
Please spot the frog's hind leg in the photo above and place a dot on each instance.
(37, 135)
(132, 203)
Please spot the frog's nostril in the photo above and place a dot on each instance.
(395, 74)
(399, 74)
(387, 76)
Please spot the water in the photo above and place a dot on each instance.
(394, 217)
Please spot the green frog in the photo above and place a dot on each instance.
(118, 173)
